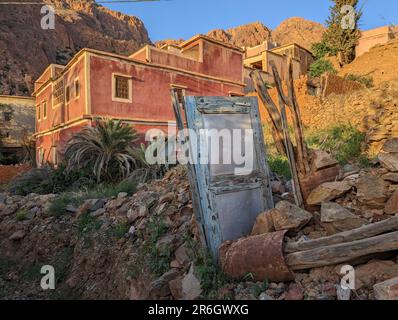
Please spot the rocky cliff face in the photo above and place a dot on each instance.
(26, 49)
(298, 30)
(301, 31)
(248, 35)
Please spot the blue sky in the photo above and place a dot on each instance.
(185, 18)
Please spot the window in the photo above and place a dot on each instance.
(67, 94)
(38, 112)
(7, 116)
(122, 87)
(44, 110)
(58, 93)
(77, 89)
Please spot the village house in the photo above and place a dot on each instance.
(373, 37)
(259, 57)
(134, 89)
(17, 124)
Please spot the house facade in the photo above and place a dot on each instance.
(17, 124)
(134, 89)
(260, 57)
(373, 37)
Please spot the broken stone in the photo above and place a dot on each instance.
(265, 297)
(295, 293)
(263, 224)
(375, 271)
(392, 204)
(18, 235)
(288, 216)
(167, 241)
(175, 286)
(322, 160)
(191, 288)
(182, 255)
(371, 190)
(122, 195)
(160, 287)
(337, 219)
(277, 187)
(7, 210)
(135, 213)
(387, 290)
(389, 161)
(167, 198)
(71, 209)
(328, 191)
(391, 176)
(391, 146)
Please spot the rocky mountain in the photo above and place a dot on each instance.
(298, 30)
(301, 31)
(248, 35)
(26, 49)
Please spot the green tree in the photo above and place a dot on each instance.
(342, 32)
(106, 148)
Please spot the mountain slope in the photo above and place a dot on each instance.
(26, 49)
(298, 30)
(248, 35)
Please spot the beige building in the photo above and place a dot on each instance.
(259, 57)
(373, 37)
(17, 122)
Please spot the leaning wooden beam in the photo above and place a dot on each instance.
(296, 121)
(295, 108)
(341, 253)
(366, 231)
(273, 112)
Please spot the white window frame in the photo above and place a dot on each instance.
(130, 88)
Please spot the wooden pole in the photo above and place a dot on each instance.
(343, 252)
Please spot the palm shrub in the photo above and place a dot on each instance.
(106, 148)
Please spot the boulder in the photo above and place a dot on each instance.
(387, 290)
(181, 255)
(18, 235)
(160, 287)
(264, 223)
(277, 187)
(391, 177)
(392, 204)
(371, 191)
(175, 286)
(336, 218)
(8, 209)
(391, 146)
(373, 272)
(288, 216)
(137, 212)
(322, 160)
(191, 288)
(328, 191)
(295, 293)
(389, 161)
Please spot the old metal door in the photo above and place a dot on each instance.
(231, 193)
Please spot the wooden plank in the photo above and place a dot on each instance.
(274, 121)
(367, 231)
(341, 253)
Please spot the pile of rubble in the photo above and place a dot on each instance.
(147, 245)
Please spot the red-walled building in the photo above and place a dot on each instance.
(135, 89)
